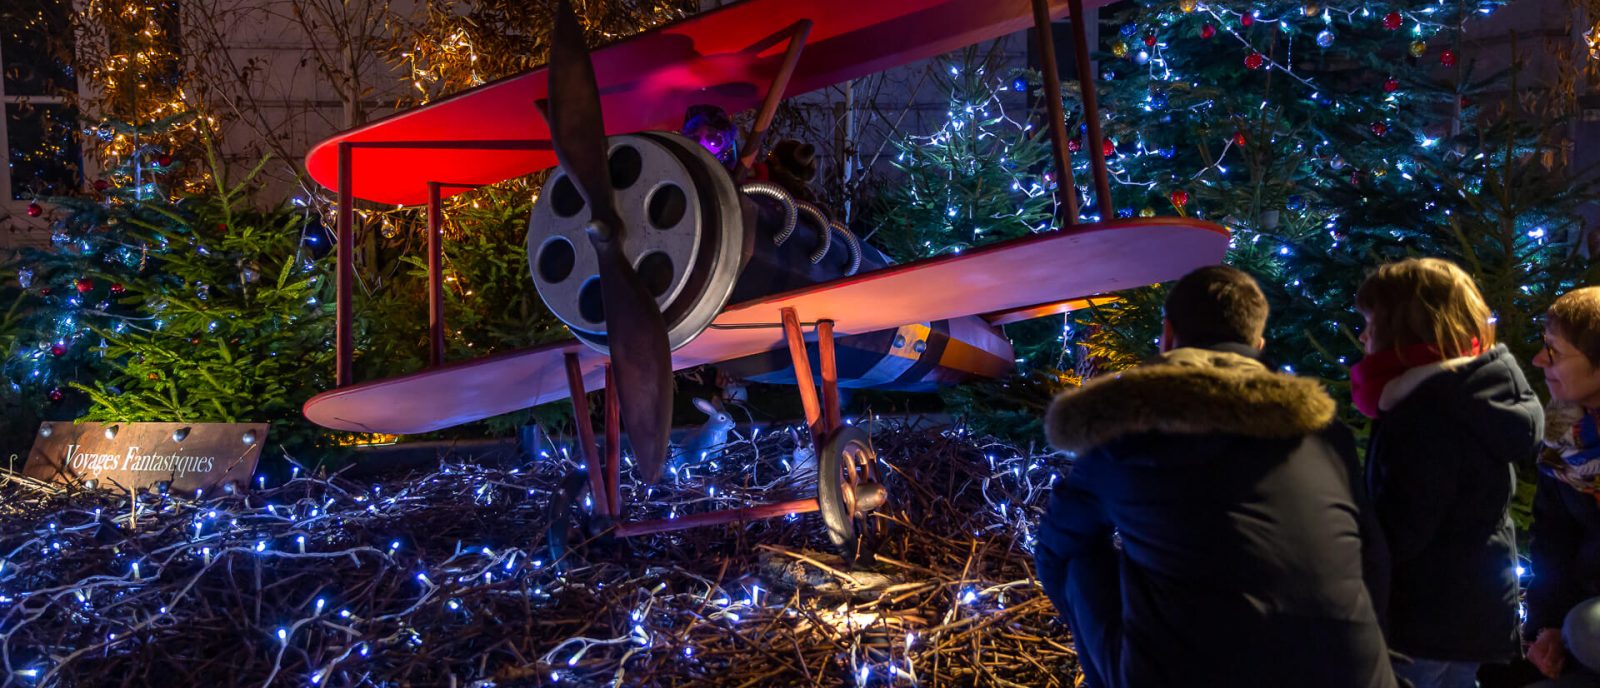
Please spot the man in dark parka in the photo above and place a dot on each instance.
(1209, 533)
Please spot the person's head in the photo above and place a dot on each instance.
(1216, 304)
(1424, 301)
(1571, 354)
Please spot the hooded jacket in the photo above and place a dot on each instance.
(1208, 533)
(1440, 471)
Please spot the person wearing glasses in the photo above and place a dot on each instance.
(1452, 415)
(1566, 513)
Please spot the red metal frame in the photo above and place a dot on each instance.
(1066, 189)
(435, 277)
(613, 447)
(769, 105)
(598, 491)
(822, 421)
(822, 414)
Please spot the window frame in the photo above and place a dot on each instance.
(88, 169)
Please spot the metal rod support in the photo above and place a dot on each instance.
(1066, 188)
(344, 275)
(435, 277)
(591, 453)
(830, 376)
(613, 446)
(1091, 109)
(802, 372)
(713, 518)
(769, 104)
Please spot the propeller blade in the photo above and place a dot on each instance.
(640, 358)
(577, 128)
(635, 331)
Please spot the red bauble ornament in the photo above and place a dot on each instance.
(1392, 21)
(58, 349)
(44, 291)
(101, 185)
(1238, 138)
(85, 285)
(1208, 31)
(1447, 58)
(1150, 40)
(1391, 84)
(1179, 198)
(34, 209)
(1254, 60)
(1074, 145)
(1108, 147)
(1380, 129)
(164, 160)
(56, 394)
(1247, 19)
(117, 288)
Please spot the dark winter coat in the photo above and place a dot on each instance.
(1440, 472)
(1566, 544)
(1208, 533)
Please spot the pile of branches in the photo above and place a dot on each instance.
(446, 579)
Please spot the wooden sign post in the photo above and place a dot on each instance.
(190, 456)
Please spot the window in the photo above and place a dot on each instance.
(37, 133)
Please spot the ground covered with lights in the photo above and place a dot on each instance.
(444, 579)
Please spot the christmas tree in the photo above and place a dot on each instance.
(1331, 139)
(1328, 140)
(192, 308)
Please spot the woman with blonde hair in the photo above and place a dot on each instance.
(1452, 414)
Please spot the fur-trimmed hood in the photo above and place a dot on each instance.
(1189, 391)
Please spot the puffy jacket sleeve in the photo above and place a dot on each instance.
(1374, 547)
(1074, 556)
(1556, 534)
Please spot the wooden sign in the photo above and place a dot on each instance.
(191, 456)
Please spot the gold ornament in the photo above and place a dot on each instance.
(1186, 5)
(1119, 49)
(1311, 9)
(1418, 47)
(1379, 172)
(1147, 211)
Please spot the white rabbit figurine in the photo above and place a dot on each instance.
(803, 463)
(706, 441)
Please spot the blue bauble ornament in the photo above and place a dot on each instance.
(1158, 100)
(1108, 75)
(1325, 38)
(1130, 29)
(1020, 85)
(1294, 202)
(1124, 212)
(1168, 152)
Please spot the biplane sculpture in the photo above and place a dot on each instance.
(659, 257)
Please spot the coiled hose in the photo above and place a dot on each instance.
(791, 216)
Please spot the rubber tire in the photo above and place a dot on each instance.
(841, 523)
(563, 523)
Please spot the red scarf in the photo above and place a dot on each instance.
(1374, 372)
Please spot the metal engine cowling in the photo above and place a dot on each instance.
(687, 242)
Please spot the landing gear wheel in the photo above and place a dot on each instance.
(564, 522)
(569, 526)
(848, 491)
